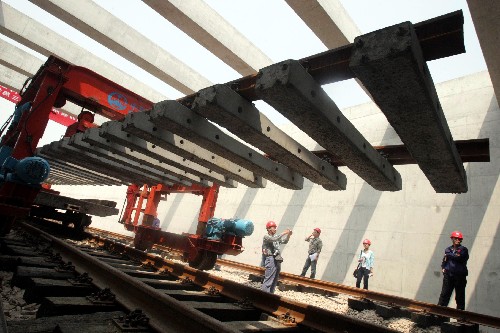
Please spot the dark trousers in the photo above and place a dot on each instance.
(273, 269)
(457, 283)
(308, 264)
(364, 274)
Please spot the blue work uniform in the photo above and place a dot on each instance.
(455, 275)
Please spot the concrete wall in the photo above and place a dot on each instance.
(409, 229)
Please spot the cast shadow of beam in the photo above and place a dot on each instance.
(167, 220)
(246, 202)
(430, 285)
(294, 208)
(353, 231)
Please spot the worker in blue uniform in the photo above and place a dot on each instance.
(454, 268)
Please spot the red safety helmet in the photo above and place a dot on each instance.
(456, 234)
(86, 115)
(270, 224)
(318, 230)
(367, 241)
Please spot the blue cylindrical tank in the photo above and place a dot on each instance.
(243, 228)
(217, 228)
(32, 170)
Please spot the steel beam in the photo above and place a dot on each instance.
(175, 117)
(139, 124)
(227, 108)
(288, 88)
(474, 150)
(440, 37)
(390, 64)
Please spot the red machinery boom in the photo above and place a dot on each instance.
(57, 82)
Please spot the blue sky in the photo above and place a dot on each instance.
(273, 27)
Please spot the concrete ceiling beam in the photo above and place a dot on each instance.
(11, 79)
(486, 15)
(203, 24)
(43, 40)
(19, 60)
(122, 39)
(328, 20)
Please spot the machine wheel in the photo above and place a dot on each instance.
(205, 260)
(81, 221)
(195, 263)
(142, 244)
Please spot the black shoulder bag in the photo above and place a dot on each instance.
(355, 273)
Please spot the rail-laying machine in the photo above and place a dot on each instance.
(150, 151)
(23, 191)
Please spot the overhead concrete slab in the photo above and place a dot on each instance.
(204, 25)
(390, 64)
(168, 175)
(177, 118)
(227, 108)
(18, 60)
(122, 39)
(288, 88)
(139, 124)
(141, 151)
(486, 15)
(28, 32)
(25, 65)
(11, 79)
(328, 20)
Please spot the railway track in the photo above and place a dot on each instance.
(171, 297)
(392, 304)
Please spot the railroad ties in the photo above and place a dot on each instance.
(70, 286)
(219, 135)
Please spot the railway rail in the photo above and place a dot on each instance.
(171, 297)
(320, 286)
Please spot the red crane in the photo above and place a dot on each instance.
(57, 82)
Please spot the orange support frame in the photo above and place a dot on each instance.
(152, 196)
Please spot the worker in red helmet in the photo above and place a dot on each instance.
(315, 246)
(454, 268)
(366, 259)
(273, 259)
(84, 121)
